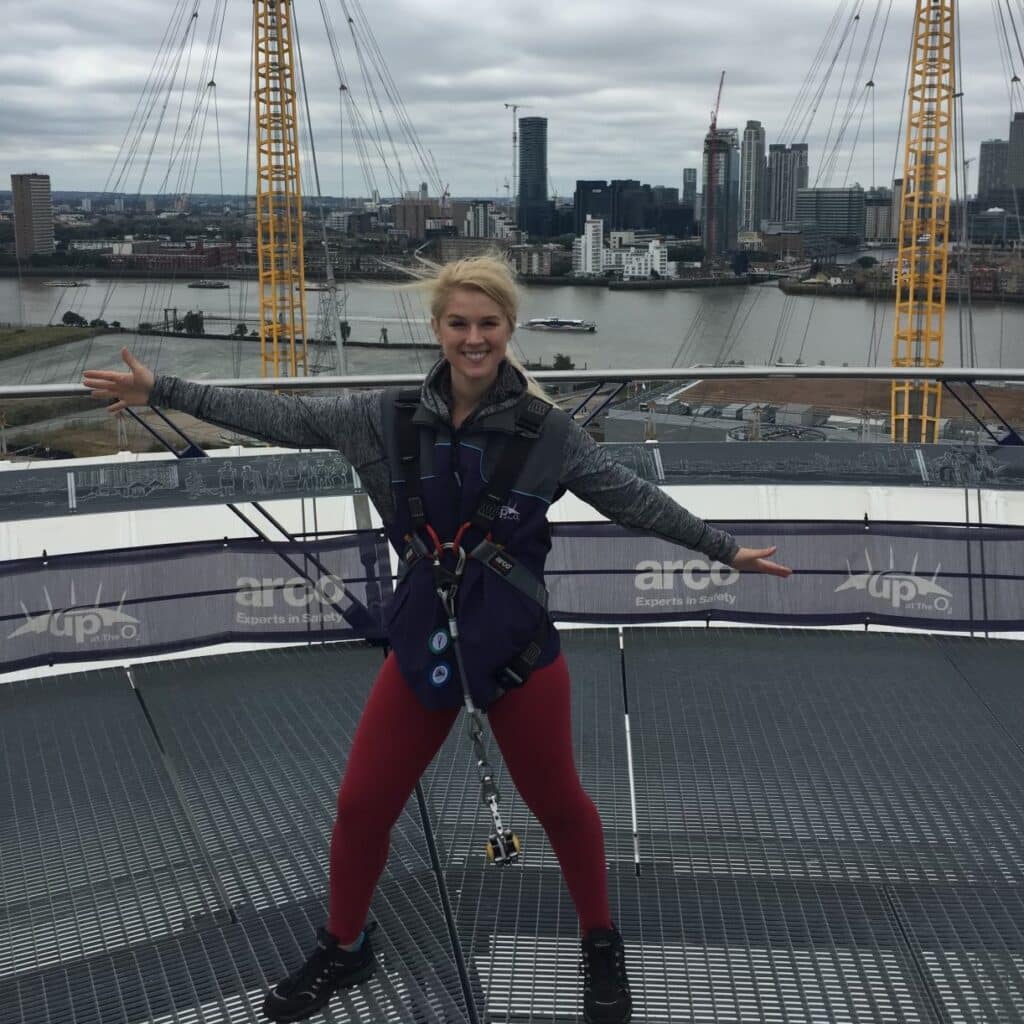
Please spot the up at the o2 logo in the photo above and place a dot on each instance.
(696, 574)
(902, 591)
(83, 625)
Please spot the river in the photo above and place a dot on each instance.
(635, 329)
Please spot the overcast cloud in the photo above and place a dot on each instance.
(627, 88)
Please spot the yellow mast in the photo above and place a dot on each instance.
(278, 192)
(922, 268)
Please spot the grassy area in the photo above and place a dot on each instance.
(16, 341)
(35, 410)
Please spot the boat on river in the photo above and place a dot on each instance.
(554, 323)
(208, 284)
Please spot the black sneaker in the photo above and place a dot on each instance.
(606, 998)
(328, 968)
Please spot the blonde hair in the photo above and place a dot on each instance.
(492, 275)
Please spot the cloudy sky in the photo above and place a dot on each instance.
(627, 88)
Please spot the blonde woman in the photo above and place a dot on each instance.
(429, 462)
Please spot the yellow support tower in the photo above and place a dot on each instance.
(922, 268)
(278, 192)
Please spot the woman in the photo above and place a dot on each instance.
(430, 464)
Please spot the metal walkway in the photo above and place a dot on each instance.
(829, 827)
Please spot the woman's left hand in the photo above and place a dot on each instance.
(758, 560)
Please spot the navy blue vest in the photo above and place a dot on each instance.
(496, 621)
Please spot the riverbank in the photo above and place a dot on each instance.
(886, 292)
(78, 273)
(16, 341)
(855, 397)
(661, 285)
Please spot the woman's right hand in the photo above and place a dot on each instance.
(132, 388)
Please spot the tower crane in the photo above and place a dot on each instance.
(515, 108)
(922, 266)
(279, 240)
(711, 149)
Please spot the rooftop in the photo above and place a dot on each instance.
(828, 826)
(801, 825)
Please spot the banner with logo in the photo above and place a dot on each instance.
(140, 601)
(930, 577)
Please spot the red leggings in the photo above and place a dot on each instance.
(395, 741)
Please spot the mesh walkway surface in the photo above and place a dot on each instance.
(828, 827)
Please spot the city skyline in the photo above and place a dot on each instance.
(625, 98)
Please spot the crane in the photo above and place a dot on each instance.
(922, 266)
(515, 108)
(279, 241)
(710, 214)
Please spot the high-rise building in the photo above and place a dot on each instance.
(690, 186)
(1015, 160)
(993, 167)
(592, 199)
(880, 217)
(753, 172)
(836, 212)
(721, 191)
(534, 209)
(33, 214)
(588, 249)
(788, 172)
(477, 222)
(627, 204)
(411, 216)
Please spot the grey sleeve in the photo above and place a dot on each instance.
(590, 472)
(350, 422)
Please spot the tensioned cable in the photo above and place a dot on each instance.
(690, 336)
(400, 185)
(1015, 96)
(188, 154)
(795, 115)
(187, 45)
(243, 301)
(858, 96)
(146, 102)
(735, 333)
(839, 94)
(875, 344)
(326, 307)
(395, 98)
(361, 132)
(163, 87)
(870, 85)
(804, 126)
(960, 148)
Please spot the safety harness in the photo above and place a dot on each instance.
(423, 542)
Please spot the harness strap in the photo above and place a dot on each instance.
(530, 415)
(407, 403)
(514, 573)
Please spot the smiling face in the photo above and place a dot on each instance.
(473, 332)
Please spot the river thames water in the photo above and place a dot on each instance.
(757, 324)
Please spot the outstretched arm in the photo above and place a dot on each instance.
(349, 422)
(590, 472)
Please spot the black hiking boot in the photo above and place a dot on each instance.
(606, 998)
(328, 969)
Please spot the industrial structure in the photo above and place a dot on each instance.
(922, 266)
(279, 238)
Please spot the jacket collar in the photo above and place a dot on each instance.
(496, 410)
